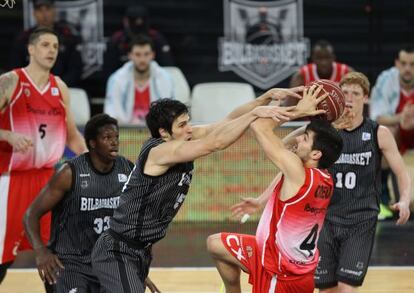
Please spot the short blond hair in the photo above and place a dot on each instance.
(356, 78)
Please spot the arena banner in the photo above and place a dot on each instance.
(86, 16)
(263, 41)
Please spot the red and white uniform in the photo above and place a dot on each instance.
(309, 72)
(283, 256)
(406, 137)
(40, 115)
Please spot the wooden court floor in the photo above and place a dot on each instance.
(203, 280)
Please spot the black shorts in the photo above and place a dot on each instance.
(119, 267)
(345, 252)
(76, 277)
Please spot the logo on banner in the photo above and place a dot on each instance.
(263, 42)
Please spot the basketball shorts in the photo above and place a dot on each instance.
(76, 277)
(245, 250)
(345, 252)
(119, 267)
(17, 191)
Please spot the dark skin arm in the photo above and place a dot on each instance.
(47, 263)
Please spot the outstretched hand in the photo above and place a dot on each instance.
(307, 106)
(247, 206)
(279, 94)
(275, 112)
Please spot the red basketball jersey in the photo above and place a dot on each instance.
(288, 231)
(310, 73)
(41, 116)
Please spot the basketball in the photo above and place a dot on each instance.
(334, 104)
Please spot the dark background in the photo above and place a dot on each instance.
(366, 34)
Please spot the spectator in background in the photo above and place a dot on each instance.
(131, 89)
(323, 66)
(136, 22)
(68, 65)
(392, 105)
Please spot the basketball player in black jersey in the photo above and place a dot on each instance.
(82, 196)
(159, 183)
(348, 234)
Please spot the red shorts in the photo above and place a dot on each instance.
(17, 191)
(244, 249)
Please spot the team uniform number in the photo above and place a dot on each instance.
(347, 180)
(101, 224)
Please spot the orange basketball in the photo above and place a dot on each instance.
(334, 104)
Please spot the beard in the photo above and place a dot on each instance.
(142, 69)
(407, 79)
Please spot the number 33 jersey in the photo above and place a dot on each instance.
(288, 231)
(40, 116)
(84, 212)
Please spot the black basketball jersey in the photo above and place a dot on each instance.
(149, 203)
(357, 176)
(84, 212)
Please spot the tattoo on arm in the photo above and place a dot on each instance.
(7, 82)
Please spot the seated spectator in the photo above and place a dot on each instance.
(136, 22)
(392, 105)
(68, 65)
(131, 89)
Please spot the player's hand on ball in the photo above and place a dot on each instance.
(279, 94)
(307, 106)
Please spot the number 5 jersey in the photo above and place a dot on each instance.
(40, 115)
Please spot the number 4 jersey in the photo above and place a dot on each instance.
(288, 231)
(39, 115)
(84, 212)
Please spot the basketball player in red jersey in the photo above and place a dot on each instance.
(35, 123)
(282, 257)
(323, 66)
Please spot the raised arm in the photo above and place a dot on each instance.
(75, 139)
(47, 263)
(390, 151)
(275, 94)
(289, 163)
(172, 152)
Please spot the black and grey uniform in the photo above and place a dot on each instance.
(82, 215)
(122, 255)
(347, 237)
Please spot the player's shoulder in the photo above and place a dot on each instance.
(8, 80)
